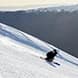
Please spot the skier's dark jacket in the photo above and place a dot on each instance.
(50, 55)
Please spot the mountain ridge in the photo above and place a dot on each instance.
(42, 8)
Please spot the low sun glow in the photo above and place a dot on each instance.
(26, 3)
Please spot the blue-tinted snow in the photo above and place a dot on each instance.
(23, 38)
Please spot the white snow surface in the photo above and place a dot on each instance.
(20, 57)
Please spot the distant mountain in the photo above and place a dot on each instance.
(43, 8)
(58, 8)
(59, 28)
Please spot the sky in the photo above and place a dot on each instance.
(26, 3)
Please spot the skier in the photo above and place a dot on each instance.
(50, 55)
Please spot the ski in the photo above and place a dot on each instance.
(56, 63)
(51, 63)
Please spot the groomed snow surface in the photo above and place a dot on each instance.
(20, 57)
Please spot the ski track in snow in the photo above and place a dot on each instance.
(19, 60)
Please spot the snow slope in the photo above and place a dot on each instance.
(19, 57)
